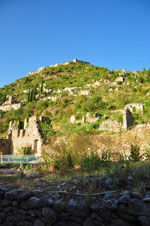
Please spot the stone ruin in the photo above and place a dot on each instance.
(87, 118)
(115, 126)
(76, 61)
(109, 124)
(29, 136)
(77, 121)
(56, 65)
(135, 107)
(10, 104)
(128, 119)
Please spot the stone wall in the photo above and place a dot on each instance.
(108, 125)
(135, 107)
(128, 119)
(111, 125)
(76, 61)
(5, 146)
(35, 208)
(7, 107)
(29, 136)
(10, 104)
(56, 65)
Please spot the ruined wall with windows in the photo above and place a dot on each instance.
(30, 135)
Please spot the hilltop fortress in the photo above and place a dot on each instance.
(56, 65)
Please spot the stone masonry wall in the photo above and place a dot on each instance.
(56, 65)
(7, 107)
(128, 119)
(5, 146)
(10, 104)
(29, 136)
(35, 208)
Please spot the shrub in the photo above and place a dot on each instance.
(112, 107)
(62, 158)
(91, 161)
(93, 104)
(135, 153)
(141, 80)
(147, 153)
(47, 130)
(25, 151)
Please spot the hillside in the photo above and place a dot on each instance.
(80, 120)
(76, 90)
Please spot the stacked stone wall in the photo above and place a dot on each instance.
(5, 146)
(34, 208)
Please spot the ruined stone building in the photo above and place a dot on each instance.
(10, 104)
(109, 124)
(135, 107)
(29, 136)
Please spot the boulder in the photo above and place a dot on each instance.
(31, 173)
(110, 200)
(78, 208)
(48, 213)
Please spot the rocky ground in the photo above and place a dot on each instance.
(86, 200)
(79, 186)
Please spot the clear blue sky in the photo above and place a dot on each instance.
(110, 33)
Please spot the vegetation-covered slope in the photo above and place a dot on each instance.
(75, 89)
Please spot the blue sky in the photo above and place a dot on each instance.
(110, 33)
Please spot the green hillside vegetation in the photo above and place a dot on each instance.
(105, 99)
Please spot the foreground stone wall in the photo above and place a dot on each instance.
(27, 208)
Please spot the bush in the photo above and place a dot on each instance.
(93, 104)
(47, 130)
(62, 158)
(141, 80)
(135, 153)
(147, 152)
(91, 161)
(26, 151)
